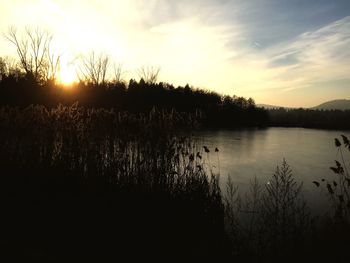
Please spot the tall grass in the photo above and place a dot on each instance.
(125, 178)
(338, 189)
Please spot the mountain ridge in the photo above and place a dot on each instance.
(338, 104)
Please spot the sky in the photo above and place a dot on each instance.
(293, 53)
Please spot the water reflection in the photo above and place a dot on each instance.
(256, 152)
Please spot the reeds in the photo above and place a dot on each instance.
(338, 189)
(136, 176)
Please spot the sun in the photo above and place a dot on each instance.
(67, 74)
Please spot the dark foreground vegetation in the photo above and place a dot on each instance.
(79, 183)
(94, 184)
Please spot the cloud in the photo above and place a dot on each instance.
(232, 46)
(285, 59)
(317, 56)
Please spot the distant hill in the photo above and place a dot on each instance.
(334, 105)
(329, 105)
(271, 107)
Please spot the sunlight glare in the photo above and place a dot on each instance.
(67, 74)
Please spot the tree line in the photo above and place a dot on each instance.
(32, 79)
(306, 118)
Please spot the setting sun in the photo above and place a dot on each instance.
(67, 74)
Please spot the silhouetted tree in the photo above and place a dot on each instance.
(93, 68)
(118, 73)
(35, 54)
(149, 74)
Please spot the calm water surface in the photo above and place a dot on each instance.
(245, 154)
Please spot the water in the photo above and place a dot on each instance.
(245, 154)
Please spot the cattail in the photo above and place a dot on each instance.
(337, 142)
(330, 189)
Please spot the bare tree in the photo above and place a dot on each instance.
(51, 67)
(118, 73)
(93, 68)
(149, 74)
(34, 53)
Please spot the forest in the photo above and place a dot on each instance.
(212, 109)
(308, 118)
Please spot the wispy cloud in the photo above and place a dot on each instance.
(318, 56)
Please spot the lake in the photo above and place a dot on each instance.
(245, 154)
